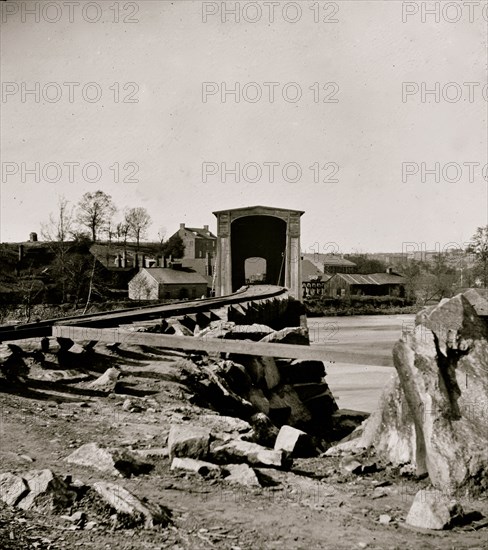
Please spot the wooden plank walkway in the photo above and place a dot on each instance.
(190, 343)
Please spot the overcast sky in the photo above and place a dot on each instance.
(361, 135)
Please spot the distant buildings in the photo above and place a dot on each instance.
(200, 249)
(313, 280)
(333, 276)
(198, 241)
(160, 283)
(372, 284)
(331, 263)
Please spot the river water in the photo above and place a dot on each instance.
(365, 343)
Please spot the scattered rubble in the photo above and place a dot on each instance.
(431, 421)
(47, 492)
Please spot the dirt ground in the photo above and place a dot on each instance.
(314, 506)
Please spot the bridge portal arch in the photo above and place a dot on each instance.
(258, 231)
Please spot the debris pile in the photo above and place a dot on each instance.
(102, 504)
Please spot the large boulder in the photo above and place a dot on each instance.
(434, 413)
(443, 371)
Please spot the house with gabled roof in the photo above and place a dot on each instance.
(371, 284)
(162, 283)
(198, 241)
(331, 263)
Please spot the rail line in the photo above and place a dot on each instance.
(110, 319)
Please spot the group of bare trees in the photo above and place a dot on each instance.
(72, 227)
(93, 217)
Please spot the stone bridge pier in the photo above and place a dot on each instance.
(272, 234)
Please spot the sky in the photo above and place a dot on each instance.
(128, 97)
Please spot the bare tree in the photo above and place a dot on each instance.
(138, 220)
(31, 288)
(59, 227)
(95, 211)
(162, 234)
(56, 232)
(122, 232)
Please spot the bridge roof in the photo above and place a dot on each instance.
(259, 207)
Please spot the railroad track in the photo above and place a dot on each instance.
(202, 310)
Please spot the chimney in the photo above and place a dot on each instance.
(33, 237)
(389, 270)
(182, 226)
(205, 228)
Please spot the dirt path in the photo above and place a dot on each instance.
(315, 506)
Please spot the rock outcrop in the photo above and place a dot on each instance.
(434, 413)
